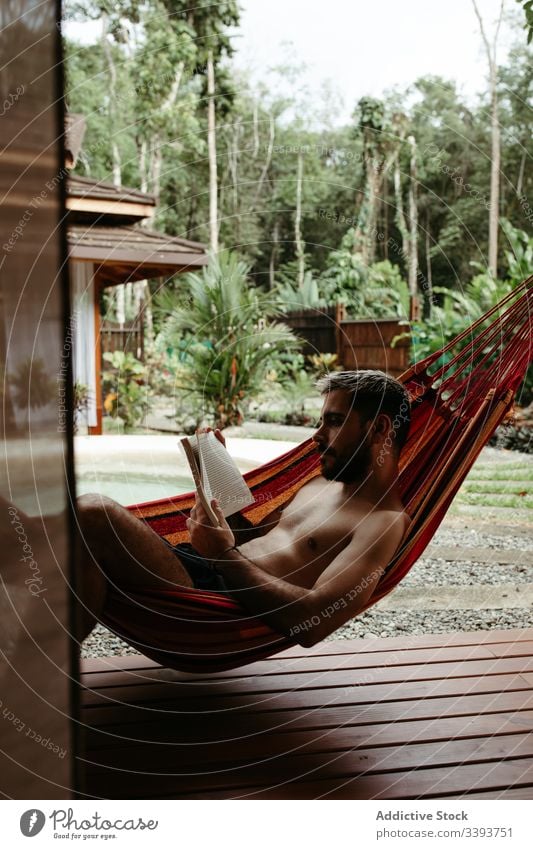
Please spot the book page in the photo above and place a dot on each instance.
(221, 476)
(191, 450)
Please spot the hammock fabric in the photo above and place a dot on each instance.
(459, 395)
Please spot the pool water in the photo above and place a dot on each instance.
(132, 488)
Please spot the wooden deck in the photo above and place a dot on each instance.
(447, 715)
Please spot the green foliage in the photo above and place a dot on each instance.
(520, 256)
(125, 390)
(289, 389)
(294, 297)
(388, 291)
(528, 26)
(375, 291)
(230, 336)
(321, 364)
(457, 311)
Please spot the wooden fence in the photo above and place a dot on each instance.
(358, 344)
(367, 344)
(318, 327)
(127, 337)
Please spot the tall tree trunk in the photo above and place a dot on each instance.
(365, 231)
(495, 137)
(375, 183)
(119, 293)
(273, 254)
(156, 162)
(299, 243)
(429, 273)
(148, 316)
(113, 100)
(401, 223)
(143, 168)
(494, 178)
(268, 160)
(413, 221)
(255, 127)
(364, 241)
(233, 174)
(130, 308)
(212, 153)
(521, 172)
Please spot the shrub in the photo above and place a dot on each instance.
(230, 337)
(125, 392)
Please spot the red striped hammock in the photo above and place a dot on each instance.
(456, 407)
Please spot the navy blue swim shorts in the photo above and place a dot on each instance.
(202, 574)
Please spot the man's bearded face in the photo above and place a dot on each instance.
(343, 440)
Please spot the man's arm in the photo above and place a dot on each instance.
(345, 587)
(244, 530)
(340, 593)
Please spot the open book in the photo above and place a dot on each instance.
(216, 475)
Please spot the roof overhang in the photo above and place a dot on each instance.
(125, 254)
(90, 200)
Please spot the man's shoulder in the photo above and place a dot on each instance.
(395, 516)
(385, 522)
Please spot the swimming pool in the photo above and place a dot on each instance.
(131, 488)
(137, 468)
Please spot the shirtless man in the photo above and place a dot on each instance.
(310, 566)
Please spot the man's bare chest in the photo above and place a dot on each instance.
(319, 520)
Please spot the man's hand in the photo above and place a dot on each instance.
(208, 541)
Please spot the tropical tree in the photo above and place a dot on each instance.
(230, 336)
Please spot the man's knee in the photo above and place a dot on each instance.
(95, 501)
(93, 506)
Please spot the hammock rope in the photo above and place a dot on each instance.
(455, 410)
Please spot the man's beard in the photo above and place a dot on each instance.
(352, 470)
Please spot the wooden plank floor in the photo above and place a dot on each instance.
(448, 715)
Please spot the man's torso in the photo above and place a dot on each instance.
(312, 530)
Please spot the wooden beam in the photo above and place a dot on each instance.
(110, 207)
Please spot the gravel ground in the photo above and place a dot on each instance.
(102, 643)
(517, 537)
(452, 573)
(406, 622)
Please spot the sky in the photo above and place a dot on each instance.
(361, 47)
(366, 47)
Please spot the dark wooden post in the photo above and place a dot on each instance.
(38, 666)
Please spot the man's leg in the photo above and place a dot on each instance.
(119, 550)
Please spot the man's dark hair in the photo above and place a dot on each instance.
(373, 392)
